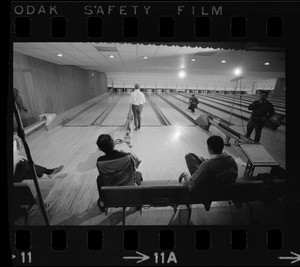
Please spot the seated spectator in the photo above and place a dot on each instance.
(220, 168)
(116, 168)
(22, 170)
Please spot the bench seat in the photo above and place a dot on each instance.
(171, 193)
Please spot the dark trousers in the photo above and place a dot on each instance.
(257, 125)
(193, 162)
(137, 178)
(192, 107)
(137, 111)
(23, 171)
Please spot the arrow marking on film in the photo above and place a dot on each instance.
(295, 259)
(141, 258)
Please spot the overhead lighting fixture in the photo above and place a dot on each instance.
(181, 74)
(59, 55)
(193, 59)
(223, 61)
(145, 57)
(111, 56)
(267, 63)
(237, 71)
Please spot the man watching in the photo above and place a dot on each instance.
(220, 168)
(262, 110)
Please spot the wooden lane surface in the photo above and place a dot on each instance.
(275, 100)
(234, 107)
(88, 116)
(221, 114)
(273, 140)
(118, 115)
(149, 117)
(280, 103)
(240, 98)
(238, 103)
(174, 117)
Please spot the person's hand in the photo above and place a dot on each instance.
(181, 176)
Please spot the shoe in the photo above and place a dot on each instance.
(139, 127)
(135, 128)
(55, 171)
(100, 205)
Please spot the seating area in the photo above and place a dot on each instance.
(171, 193)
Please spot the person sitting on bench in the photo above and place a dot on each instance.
(22, 170)
(220, 168)
(116, 167)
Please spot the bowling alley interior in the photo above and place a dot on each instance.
(69, 93)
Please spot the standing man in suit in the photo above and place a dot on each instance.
(137, 99)
(262, 110)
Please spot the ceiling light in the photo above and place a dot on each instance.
(223, 61)
(237, 71)
(59, 55)
(193, 59)
(145, 57)
(267, 63)
(111, 56)
(181, 74)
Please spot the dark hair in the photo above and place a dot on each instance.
(105, 143)
(264, 92)
(216, 144)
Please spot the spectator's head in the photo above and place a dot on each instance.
(215, 144)
(136, 86)
(105, 143)
(193, 94)
(264, 95)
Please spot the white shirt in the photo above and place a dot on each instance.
(137, 97)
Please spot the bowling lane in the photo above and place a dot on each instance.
(183, 106)
(90, 115)
(118, 115)
(174, 117)
(239, 102)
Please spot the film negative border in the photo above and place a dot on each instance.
(157, 22)
(151, 21)
(159, 245)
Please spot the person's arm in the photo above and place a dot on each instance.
(135, 160)
(187, 182)
(254, 105)
(144, 99)
(271, 112)
(200, 177)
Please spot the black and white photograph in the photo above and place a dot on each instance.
(151, 134)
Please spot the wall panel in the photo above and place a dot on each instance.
(50, 88)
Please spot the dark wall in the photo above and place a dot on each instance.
(50, 88)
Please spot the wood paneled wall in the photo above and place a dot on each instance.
(50, 88)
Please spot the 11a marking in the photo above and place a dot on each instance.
(171, 257)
